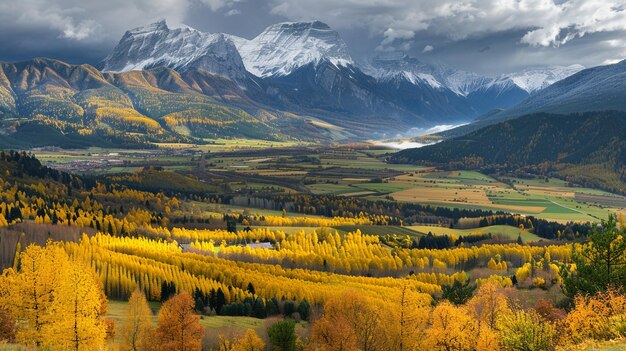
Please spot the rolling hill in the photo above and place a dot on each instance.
(587, 148)
(594, 89)
(49, 102)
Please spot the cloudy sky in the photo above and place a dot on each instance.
(486, 36)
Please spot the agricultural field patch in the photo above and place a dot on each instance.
(614, 201)
(379, 230)
(505, 231)
(468, 196)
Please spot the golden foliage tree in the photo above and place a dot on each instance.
(249, 342)
(525, 330)
(452, 328)
(179, 328)
(136, 330)
(55, 303)
(598, 317)
(488, 303)
(7, 319)
(350, 322)
(77, 324)
(412, 317)
(333, 332)
(33, 295)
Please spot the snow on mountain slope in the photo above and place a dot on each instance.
(532, 80)
(284, 47)
(462, 83)
(593, 89)
(178, 48)
(277, 51)
(398, 65)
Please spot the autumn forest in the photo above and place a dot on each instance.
(162, 259)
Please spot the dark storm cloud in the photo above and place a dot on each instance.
(488, 36)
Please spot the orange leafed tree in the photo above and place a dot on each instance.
(179, 327)
(333, 332)
(351, 322)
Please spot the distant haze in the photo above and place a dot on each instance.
(416, 132)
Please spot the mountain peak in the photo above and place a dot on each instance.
(319, 25)
(283, 47)
(534, 79)
(180, 48)
(393, 56)
(160, 25)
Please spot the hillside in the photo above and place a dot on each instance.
(49, 102)
(294, 81)
(593, 89)
(561, 143)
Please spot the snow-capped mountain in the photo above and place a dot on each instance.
(535, 79)
(284, 47)
(398, 64)
(594, 89)
(179, 48)
(483, 93)
(305, 67)
(277, 51)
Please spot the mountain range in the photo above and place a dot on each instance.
(601, 88)
(295, 80)
(306, 67)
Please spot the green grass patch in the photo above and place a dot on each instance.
(379, 230)
(506, 231)
(117, 312)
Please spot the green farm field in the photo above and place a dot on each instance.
(379, 230)
(117, 312)
(352, 170)
(506, 231)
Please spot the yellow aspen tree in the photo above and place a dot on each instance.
(452, 328)
(249, 342)
(137, 327)
(33, 298)
(77, 306)
(333, 332)
(488, 339)
(487, 304)
(16, 259)
(7, 314)
(413, 315)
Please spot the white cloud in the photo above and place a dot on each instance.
(96, 20)
(392, 35)
(546, 22)
(233, 12)
(428, 48)
(215, 5)
(88, 20)
(81, 31)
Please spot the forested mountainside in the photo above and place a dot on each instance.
(295, 80)
(583, 147)
(48, 102)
